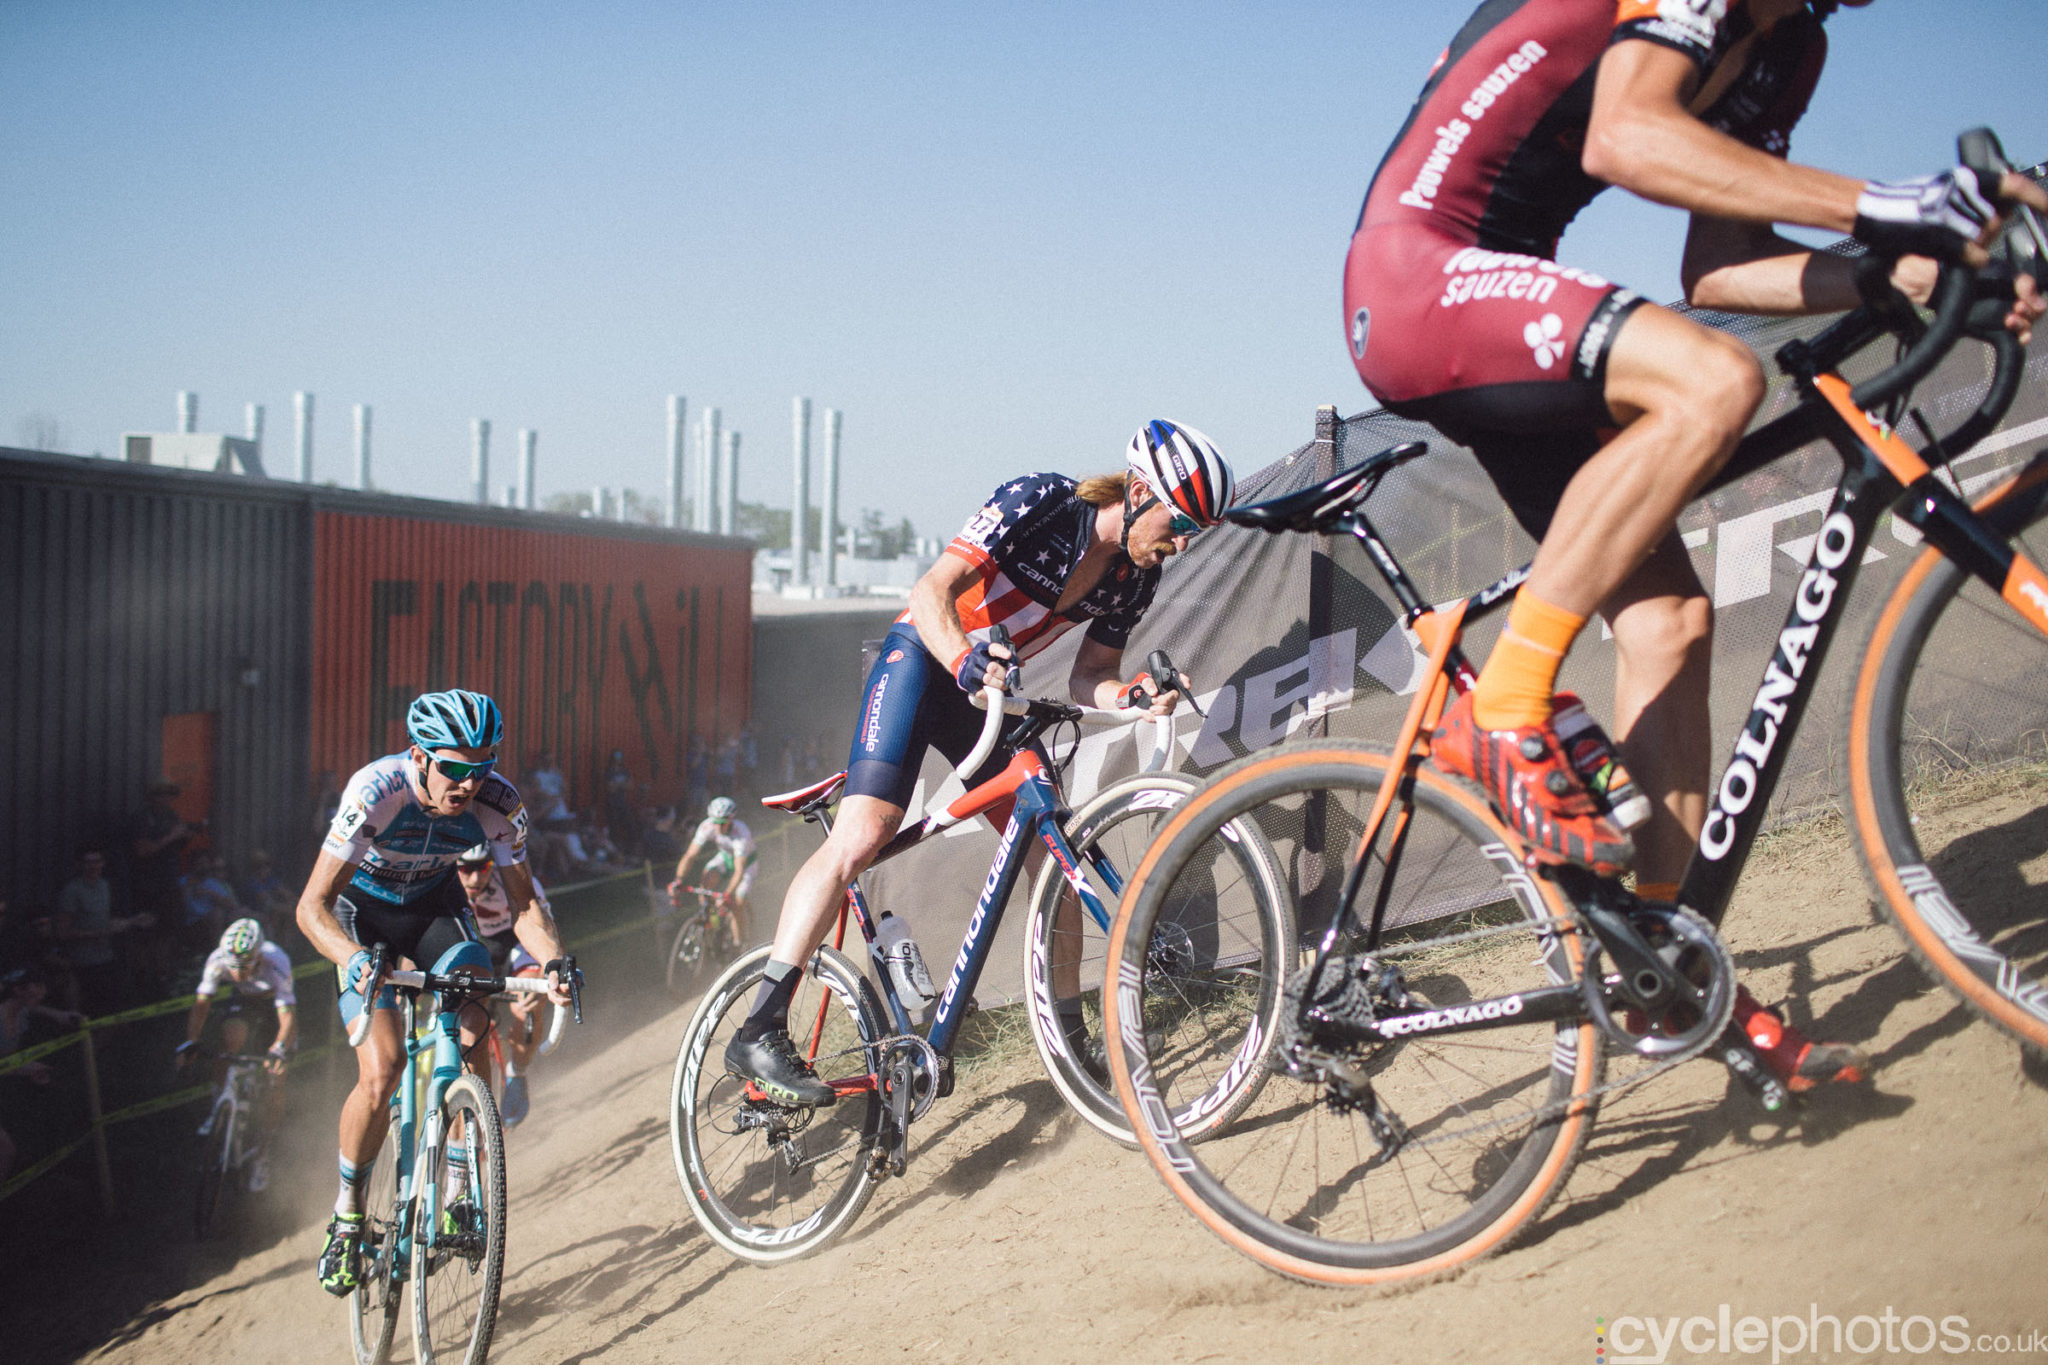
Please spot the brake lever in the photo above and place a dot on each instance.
(575, 988)
(1980, 150)
(1170, 680)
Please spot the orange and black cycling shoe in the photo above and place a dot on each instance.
(1797, 1061)
(1534, 788)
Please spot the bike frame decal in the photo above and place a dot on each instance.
(2026, 587)
(1037, 804)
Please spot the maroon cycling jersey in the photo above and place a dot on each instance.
(1490, 152)
(1027, 541)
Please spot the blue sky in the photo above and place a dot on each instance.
(997, 237)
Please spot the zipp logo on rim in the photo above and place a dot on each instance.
(1931, 900)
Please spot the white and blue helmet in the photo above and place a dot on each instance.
(455, 720)
(1183, 468)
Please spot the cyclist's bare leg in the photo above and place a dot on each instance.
(1683, 393)
(1663, 624)
(864, 825)
(365, 1114)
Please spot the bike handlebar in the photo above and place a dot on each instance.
(462, 983)
(1956, 291)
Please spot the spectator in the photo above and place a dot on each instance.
(155, 868)
(544, 789)
(22, 991)
(86, 929)
(725, 764)
(618, 802)
(659, 841)
(697, 774)
(210, 902)
(265, 894)
(326, 801)
(750, 762)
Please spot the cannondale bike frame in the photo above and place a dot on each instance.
(1036, 812)
(1881, 473)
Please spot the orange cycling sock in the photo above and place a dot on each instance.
(1521, 674)
(1666, 892)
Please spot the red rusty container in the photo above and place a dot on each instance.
(591, 637)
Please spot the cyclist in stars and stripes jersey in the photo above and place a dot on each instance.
(1045, 554)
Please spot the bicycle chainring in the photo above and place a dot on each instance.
(1684, 1027)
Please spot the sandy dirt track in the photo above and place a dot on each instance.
(1019, 1235)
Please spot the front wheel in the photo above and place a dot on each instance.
(458, 1231)
(1948, 772)
(373, 1307)
(771, 1182)
(216, 1151)
(686, 953)
(1365, 1163)
(1217, 960)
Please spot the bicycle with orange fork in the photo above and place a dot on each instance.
(1439, 1063)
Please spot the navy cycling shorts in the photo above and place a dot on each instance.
(910, 703)
(420, 931)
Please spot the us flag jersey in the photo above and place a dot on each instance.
(1026, 542)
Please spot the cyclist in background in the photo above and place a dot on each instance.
(384, 875)
(248, 980)
(1599, 416)
(729, 848)
(1044, 554)
(491, 917)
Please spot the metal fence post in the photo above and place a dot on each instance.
(103, 1167)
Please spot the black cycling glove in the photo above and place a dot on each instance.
(972, 667)
(1935, 215)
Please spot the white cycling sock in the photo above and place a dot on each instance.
(457, 1183)
(353, 1180)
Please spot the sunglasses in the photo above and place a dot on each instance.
(462, 772)
(1181, 524)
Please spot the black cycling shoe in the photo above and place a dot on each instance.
(771, 1062)
(340, 1267)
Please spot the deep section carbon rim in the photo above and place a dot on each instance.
(1454, 1141)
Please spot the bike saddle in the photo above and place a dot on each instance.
(1319, 508)
(804, 800)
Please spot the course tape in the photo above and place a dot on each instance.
(15, 1061)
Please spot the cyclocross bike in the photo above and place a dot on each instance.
(228, 1145)
(449, 1243)
(771, 1182)
(1445, 1051)
(709, 929)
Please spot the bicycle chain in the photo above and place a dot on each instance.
(1555, 1108)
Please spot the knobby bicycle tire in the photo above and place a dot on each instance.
(215, 1152)
(1948, 774)
(458, 1265)
(374, 1306)
(1493, 1120)
(1218, 962)
(766, 1182)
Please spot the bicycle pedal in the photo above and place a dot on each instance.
(1741, 1058)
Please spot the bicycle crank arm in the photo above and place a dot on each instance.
(1646, 978)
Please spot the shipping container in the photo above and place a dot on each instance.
(152, 623)
(593, 638)
(247, 637)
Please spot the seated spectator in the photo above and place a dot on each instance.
(543, 787)
(659, 841)
(210, 903)
(618, 802)
(86, 929)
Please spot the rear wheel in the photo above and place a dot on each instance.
(1366, 1163)
(1948, 773)
(458, 1257)
(373, 1307)
(1219, 956)
(773, 1182)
